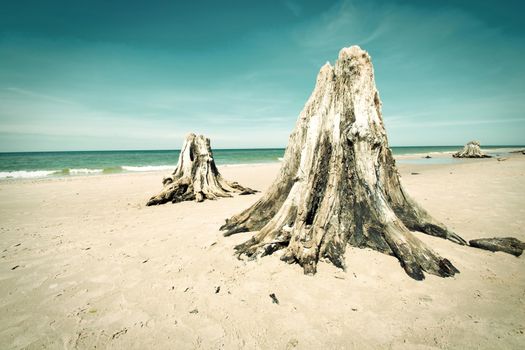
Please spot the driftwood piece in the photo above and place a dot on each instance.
(471, 150)
(196, 176)
(339, 184)
(522, 151)
(509, 245)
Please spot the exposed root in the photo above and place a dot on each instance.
(415, 256)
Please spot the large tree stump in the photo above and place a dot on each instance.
(196, 176)
(339, 184)
(471, 150)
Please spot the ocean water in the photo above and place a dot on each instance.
(59, 164)
(53, 164)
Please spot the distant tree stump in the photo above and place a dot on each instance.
(196, 176)
(339, 184)
(471, 150)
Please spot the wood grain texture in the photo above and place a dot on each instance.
(339, 184)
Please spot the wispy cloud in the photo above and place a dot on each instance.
(458, 122)
(294, 7)
(343, 24)
(39, 96)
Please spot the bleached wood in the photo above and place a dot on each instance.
(339, 184)
(196, 176)
(471, 150)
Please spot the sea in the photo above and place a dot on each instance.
(28, 165)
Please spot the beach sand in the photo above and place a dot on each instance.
(84, 263)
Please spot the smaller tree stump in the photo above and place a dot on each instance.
(471, 150)
(196, 176)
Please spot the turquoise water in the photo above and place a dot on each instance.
(52, 164)
(46, 164)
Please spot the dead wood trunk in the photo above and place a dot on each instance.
(471, 150)
(196, 176)
(339, 184)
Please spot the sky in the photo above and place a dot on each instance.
(101, 75)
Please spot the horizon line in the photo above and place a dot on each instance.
(231, 149)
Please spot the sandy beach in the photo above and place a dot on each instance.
(84, 263)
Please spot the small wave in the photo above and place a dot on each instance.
(149, 168)
(61, 172)
(75, 171)
(35, 174)
(26, 174)
(112, 170)
(280, 159)
(83, 171)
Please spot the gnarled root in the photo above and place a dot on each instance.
(414, 256)
(178, 191)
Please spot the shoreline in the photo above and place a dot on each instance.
(86, 172)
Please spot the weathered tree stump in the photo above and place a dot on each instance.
(196, 176)
(339, 184)
(508, 245)
(471, 150)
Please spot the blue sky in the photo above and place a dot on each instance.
(90, 75)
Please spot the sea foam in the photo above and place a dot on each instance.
(26, 174)
(83, 171)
